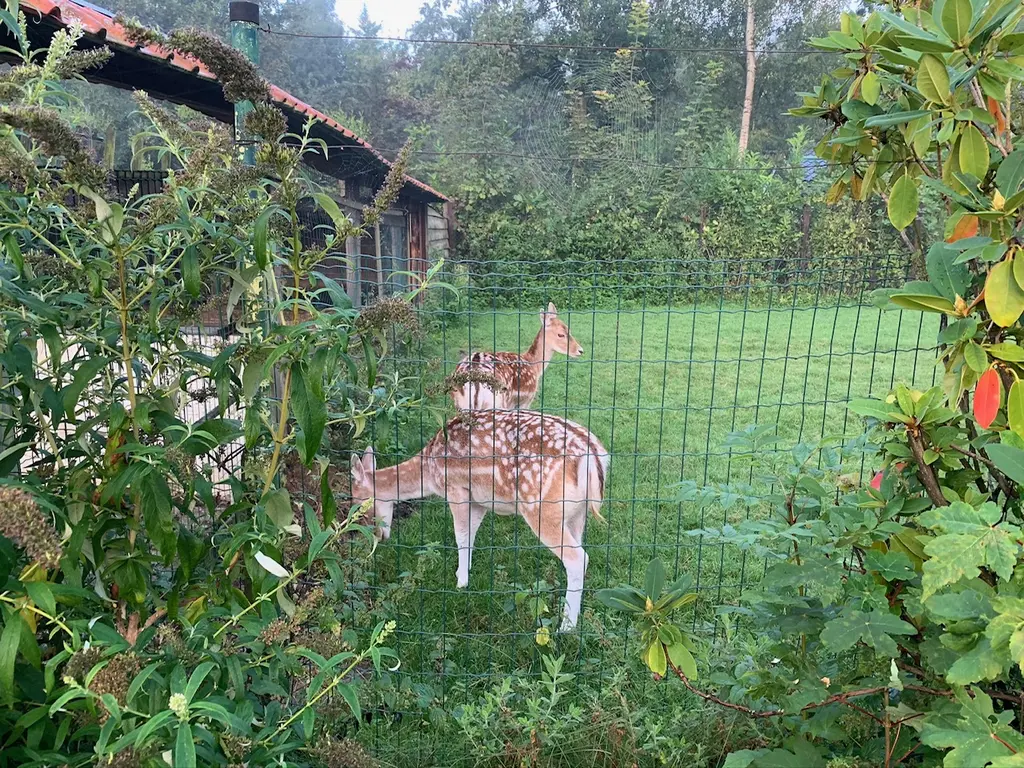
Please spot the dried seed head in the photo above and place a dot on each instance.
(386, 313)
(275, 632)
(76, 62)
(388, 193)
(56, 137)
(342, 753)
(115, 678)
(126, 758)
(26, 525)
(458, 378)
(266, 122)
(162, 118)
(81, 664)
(237, 75)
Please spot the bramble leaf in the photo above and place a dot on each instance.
(872, 628)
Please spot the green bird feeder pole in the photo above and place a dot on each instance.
(245, 21)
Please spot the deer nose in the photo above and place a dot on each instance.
(579, 351)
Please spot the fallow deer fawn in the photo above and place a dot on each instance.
(518, 375)
(547, 469)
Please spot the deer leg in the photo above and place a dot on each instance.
(576, 518)
(467, 517)
(546, 520)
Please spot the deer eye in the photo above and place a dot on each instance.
(561, 335)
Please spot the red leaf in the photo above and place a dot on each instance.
(986, 398)
(997, 112)
(876, 481)
(966, 226)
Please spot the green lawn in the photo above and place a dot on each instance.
(661, 389)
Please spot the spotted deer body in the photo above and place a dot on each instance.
(505, 380)
(548, 470)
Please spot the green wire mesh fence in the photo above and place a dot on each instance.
(675, 358)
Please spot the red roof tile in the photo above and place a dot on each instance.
(103, 27)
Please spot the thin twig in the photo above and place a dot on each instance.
(924, 470)
(907, 754)
(758, 714)
(863, 711)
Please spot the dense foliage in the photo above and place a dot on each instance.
(588, 153)
(165, 592)
(899, 603)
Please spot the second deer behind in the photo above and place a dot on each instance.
(507, 380)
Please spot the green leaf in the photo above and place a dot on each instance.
(625, 598)
(260, 235)
(348, 693)
(1015, 408)
(184, 747)
(656, 659)
(654, 581)
(933, 80)
(683, 660)
(895, 118)
(870, 88)
(42, 596)
(13, 252)
(975, 357)
(10, 639)
(973, 152)
(84, 375)
(965, 604)
(911, 34)
(1006, 350)
(971, 737)
(1010, 173)
(973, 539)
(328, 504)
(197, 678)
(310, 408)
(903, 202)
(978, 664)
(1008, 460)
(742, 758)
(876, 409)
(922, 302)
(156, 513)
(891, 566)
(872, 628)
(342, 223)
(949, 278)
(956, 18)
(190, 271)
(1004, 299)
(278, 506)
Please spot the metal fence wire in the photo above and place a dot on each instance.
(675, 358)
(676, 355)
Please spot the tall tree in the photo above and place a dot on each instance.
(748, 91)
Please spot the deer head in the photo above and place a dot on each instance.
(365, 486)
(556, 333)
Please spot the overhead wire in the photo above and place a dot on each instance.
(542, 46)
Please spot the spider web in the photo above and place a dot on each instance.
(593, 120)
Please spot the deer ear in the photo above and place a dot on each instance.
(369, 461)
(357, 466)
(551, 309)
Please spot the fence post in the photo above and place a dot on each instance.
(244, 16)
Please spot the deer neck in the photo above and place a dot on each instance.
(402, 482)
(540, 351)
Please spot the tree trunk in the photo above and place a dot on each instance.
(748, 94)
